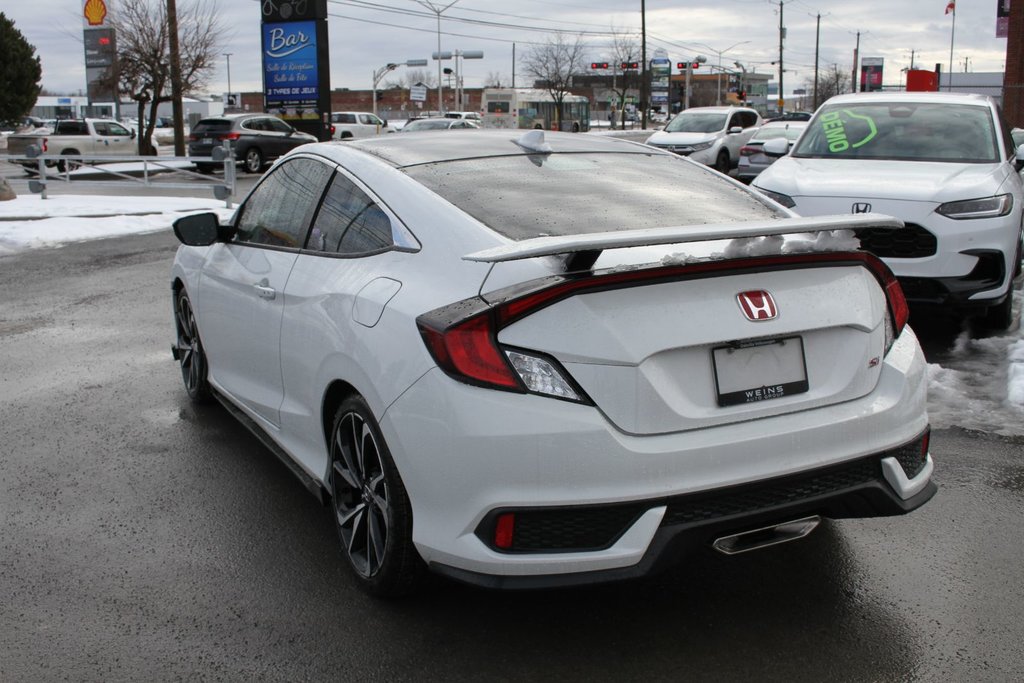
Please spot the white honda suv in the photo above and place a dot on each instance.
(943, 163)
(711, 135)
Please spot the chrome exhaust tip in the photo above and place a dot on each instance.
(766, 536)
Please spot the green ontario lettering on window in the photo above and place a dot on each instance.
(835, 128)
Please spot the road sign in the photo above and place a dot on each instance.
(418, 93)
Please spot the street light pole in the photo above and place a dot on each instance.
(391, 66)
(228, 55)
(430, 5)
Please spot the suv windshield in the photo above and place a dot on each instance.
(696, 123)
(533, 195)
(902, 131)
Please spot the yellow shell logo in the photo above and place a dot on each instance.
(95, 12)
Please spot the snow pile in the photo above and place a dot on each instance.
(747, 247)
(32, 222)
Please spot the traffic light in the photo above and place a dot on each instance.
(599, 65)
(696, 65)
(630, 65)
(693, 65)
(448, 71)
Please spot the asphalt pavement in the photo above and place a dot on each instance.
(143, 538)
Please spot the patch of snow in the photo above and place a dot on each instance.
(32, 222)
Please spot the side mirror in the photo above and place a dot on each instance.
(384, 123)
(201, 230)
(735, 129)
(133, 134)
(776, 147)
(1019, 158)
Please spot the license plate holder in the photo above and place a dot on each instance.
(207, 141)
(759, 371)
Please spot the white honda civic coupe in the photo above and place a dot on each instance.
(527, 360)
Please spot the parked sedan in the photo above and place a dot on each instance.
(495, 366)
(441, 123)
(753, 160)
(256, 139)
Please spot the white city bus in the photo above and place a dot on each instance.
(533, 108)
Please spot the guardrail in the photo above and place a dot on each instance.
(43, 165)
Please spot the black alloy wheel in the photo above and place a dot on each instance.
(190, 350)
(371, 508)
(253, 160)
(68, 165)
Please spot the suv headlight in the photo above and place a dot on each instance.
(986, 207)
(783, 199)
(701, 146)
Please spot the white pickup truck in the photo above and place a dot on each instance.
(88, 137)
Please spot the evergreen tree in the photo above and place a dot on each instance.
(20, 72)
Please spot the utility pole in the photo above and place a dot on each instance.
(856, 60)
(967, 61)
(644, 87)
(782, 34)
(912, 59)
(179, 115)
(817, 44)
(513, 65)
(228, 56)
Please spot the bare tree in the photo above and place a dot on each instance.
(410, 77)
(495, 80)
(143, 53)
(553, 65)
(625, 50)
(832, 81)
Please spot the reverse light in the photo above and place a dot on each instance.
(778, 197)
(540, 376)
(984, 207)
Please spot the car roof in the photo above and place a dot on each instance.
(414, 148)
(716, 109)
(939, 97)
(784, 124)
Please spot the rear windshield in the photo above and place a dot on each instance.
(527, 196)
(789, 132)
(902, 131)
(211, 125)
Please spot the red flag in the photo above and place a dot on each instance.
(951, 7)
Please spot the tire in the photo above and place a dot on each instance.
(371, 508)
(253, 162)
(722, 163)
(69, 165)
(537, 126)
(346, 135)
(190, 350)
(575, 128)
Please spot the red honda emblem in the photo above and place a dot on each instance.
(757, 305)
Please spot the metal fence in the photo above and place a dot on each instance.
(66, 168)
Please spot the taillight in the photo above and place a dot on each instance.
(332, 130)
(229, 136)
(463, 337)
(193, 137)
(45, 146)
(504, 530)
(748, 151)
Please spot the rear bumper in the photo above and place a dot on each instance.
(466, 454)
(691, 524)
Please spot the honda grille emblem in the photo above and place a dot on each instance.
(862, 207)
(757, 305)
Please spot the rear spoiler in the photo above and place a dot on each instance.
(583, 250)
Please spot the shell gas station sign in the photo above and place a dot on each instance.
(95, 13)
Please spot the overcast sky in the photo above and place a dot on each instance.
(366, 34)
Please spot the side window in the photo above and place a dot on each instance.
(279, 210)
(101, 128)
(349, 222)
(117, 129)
(278, 126)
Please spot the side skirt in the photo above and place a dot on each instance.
(315, 487)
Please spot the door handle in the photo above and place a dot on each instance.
(264, 291)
